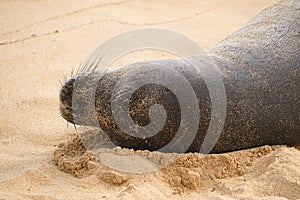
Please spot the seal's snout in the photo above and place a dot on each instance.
(76, 102)
(65, 98)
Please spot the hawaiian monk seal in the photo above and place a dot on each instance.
(260, 68)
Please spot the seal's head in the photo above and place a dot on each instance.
(77, 99)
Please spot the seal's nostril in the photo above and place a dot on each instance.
(66, 91)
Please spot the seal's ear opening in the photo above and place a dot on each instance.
(65, 100)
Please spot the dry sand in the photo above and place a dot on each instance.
(42, 41)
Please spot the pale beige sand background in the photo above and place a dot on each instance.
(42, 41)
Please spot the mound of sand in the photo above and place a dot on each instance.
(258, 172)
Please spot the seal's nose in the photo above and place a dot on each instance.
(65, 100)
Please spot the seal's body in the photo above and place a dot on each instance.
(260, 68)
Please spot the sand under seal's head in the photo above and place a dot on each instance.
(188, 172)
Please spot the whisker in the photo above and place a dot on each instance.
(79, 68)
(84, 68)
(65, 78)
(98, 63)
(72, 71)
(92, 64)
(75, 128)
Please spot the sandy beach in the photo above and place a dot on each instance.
(43, 42)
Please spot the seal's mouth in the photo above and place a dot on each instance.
(66, 112)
